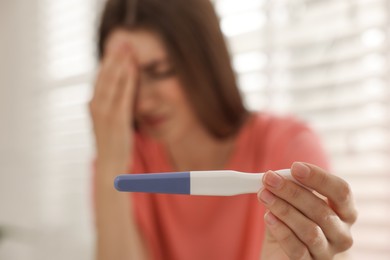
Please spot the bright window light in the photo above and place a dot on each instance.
(374, 111)
(370, 139)
(242, 23)
(226, 7)
(374, 62)
(373, 38)
(68, 27)
(250, 61)
(252, 81)
(374, 88)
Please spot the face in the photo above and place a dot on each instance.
(161, 108)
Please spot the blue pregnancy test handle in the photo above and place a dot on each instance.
(173, 183)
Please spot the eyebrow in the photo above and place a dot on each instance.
(153, 64)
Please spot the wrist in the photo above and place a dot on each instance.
(110, 167)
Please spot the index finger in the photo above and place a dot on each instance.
(110, 71)
(337, 190)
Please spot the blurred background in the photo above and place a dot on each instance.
(326, 61)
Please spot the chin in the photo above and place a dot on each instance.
(168, 137)
(165, 133)
(159, 135)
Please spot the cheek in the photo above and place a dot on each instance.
(175, 96)
(180, 108)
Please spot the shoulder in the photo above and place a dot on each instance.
(287, 139)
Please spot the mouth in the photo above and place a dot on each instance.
(154, 121)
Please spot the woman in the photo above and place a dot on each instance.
(165, 100)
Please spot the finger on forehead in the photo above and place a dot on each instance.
(113, 40)
(120, 52)
(114, 55)
(109, 74)
(125, 97)
(110, 63)
(337, 190)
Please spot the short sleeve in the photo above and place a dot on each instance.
(306, 146)
(294, 141)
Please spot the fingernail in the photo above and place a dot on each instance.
(267, 197)
(300, 170)
(273, 179)
(270, 219)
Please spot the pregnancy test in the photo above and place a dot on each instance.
(210, 183)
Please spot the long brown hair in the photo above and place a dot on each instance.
(195, 44)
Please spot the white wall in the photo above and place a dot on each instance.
(44, 201)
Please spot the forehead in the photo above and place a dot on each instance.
(146, 45)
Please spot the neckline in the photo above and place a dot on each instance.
(232, 158)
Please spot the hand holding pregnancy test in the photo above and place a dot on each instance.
(210, 183)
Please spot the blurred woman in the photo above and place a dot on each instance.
(166, 99)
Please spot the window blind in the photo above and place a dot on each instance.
(66, 72)
(325, 61)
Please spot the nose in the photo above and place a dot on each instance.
(145, 99)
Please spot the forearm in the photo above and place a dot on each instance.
(117, 234)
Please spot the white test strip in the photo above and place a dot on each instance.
(210, 183)
(228, 183)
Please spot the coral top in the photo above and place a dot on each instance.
(184, 227)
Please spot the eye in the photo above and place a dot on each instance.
(159, 69)
(162, 72)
